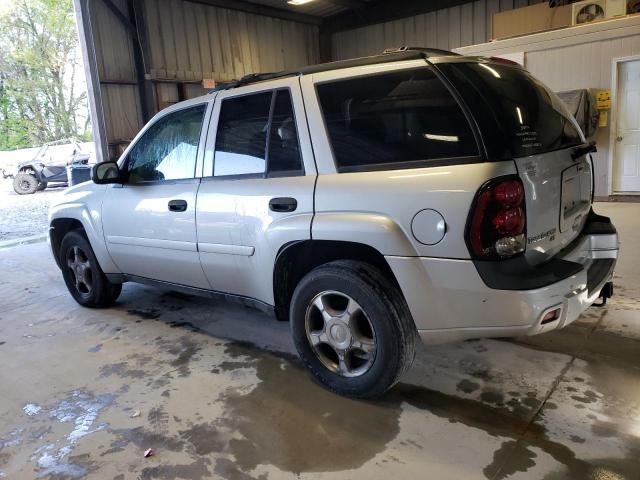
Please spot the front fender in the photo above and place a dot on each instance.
(82, 205)
(375, 230)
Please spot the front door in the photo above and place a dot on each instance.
(150, 221)
(257, 186)
(627, 134)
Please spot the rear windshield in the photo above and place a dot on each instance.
(401, 119)
(516, 113)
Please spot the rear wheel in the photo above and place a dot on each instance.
(82, 274)
(352, 328)
(25, 184)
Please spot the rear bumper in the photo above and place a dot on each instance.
(449, 300)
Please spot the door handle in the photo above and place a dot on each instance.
(177, 205)
(283, 204)
(619, 139)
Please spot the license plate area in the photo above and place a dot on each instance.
(576, 196)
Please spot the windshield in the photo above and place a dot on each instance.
(516, 112)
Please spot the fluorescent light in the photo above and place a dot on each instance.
(493, 71)
(441, 138)
(298, 2)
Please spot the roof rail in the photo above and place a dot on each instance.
(388, 55)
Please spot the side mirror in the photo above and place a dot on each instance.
(105, 172)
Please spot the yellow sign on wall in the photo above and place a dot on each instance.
(603, 100)
(603, 120)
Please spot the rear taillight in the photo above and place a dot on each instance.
(497, 223)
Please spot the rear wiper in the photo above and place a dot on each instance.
(583, 150)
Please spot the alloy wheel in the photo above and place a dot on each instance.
(340, 334)
(81, 271)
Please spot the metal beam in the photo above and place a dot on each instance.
(383, 11)
(96, 112)
(126, 22)
(129, 23)
(264, 10)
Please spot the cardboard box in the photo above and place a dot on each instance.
(531, 19)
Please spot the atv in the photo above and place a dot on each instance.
(48, 166)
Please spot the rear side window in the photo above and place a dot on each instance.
(168, 149)
(257, 134)
(384, 121)
(242, 135)
(517, 114)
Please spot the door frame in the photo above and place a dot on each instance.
(613, 115)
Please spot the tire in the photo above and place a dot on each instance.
(82, 274)
(25, 184)
(41, 186)
(378, 345)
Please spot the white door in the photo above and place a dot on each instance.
(627, 135)
(150, 221)
(257, 186)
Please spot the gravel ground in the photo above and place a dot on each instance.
(24, 215)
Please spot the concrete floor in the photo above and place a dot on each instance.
(215, 390)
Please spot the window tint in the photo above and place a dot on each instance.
(168, 150)
(393, 118)
(242, 135)
(518, 115)
(246, 124)
(284, 147)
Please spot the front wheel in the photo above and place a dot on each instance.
(25, 184)
(41, 186)
(352, 328)
(82, 274)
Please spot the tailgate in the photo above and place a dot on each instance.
(558, 199)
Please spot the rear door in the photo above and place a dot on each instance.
(521, 119)
(257, 186)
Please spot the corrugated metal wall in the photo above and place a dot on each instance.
(186, 42)
(191, 41)
(116, 71)
(580, 57)
(448, 28)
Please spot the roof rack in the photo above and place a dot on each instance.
(387, 56)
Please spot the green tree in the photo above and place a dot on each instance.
(42, 94)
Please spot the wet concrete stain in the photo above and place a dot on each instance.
(588, 397)
(492, 396)
(95, 349)
(194, 471)
(228, 470)
(184, 349)
(158, 418)
(121, 369)
(467, 386)
(142, 438)
(186, 325)
(510, 458)
(295, 411)
(205, 438)
(230, 366)
(146, 314)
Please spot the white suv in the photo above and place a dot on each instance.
(368, 202)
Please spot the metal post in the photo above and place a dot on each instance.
(96, 111)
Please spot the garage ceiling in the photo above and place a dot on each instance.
(317, 8)
(335, 15)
